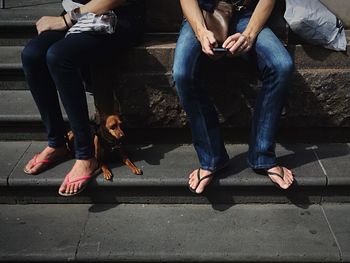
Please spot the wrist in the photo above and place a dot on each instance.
(250, 34)
(67, 21)
(200, 32)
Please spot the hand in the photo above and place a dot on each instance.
(237, 44)
(50, 23)
(208, 42)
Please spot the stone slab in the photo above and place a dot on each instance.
(50, 178)
(335, 159)
(41, 232)
(165, 174)
(338, 216)
(156, 54)
(11, 56)
(11, 100)
(174, 233)
(10, 154)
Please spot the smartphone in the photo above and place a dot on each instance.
(220, 49)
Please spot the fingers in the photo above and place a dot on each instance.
(237, 44)
(38, 25)
(50, 23)
(231, 40)
(208, 42)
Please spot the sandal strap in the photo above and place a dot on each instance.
(81, 178)
(35, 162)
(78, 179)
(281, 175)
(204, 177)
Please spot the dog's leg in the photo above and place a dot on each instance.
(129, 163)
(107, 174)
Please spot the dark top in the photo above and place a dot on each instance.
(209, 5)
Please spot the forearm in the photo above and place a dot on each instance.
(193, 14)
(95, 6)
(259, 18)
(100, 6)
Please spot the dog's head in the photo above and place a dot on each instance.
(113, 126)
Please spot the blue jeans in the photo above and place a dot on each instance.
(53, 63)
(275, 67)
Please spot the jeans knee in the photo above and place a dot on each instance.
(284, 68)
(182, 80)
(54, 58)
(31, 56)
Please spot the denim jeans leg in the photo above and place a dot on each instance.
(64, 61)
(201, 113)
(276, 67)
(42, 86)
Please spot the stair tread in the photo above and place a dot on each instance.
(168, 166)
(13, 100)
(157, 52)
(174, 233)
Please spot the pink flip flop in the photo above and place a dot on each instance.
(46, 163)
(85, 179)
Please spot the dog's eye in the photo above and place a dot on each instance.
(113, 127)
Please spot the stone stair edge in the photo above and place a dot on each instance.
(10, 55)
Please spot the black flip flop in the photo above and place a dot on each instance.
(281, 175)
(193, 190)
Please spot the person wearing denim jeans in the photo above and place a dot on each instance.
(52, 62)
(251, 39)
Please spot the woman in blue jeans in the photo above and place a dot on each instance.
(52, 62)
(275, 67)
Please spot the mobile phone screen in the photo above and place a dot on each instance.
(220, 49)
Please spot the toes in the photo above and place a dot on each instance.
(288, 176)
(69, 189)
(202, 186)
(76, 187)
(278, 180)
(192, 174)
(63, 188)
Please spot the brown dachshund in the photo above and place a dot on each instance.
(107, 141)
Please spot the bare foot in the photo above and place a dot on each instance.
(79, 176)
(281, 176)
(198, 184)
(42, 160)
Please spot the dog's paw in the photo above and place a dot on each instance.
(107, 175)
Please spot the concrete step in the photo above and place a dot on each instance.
(318, 99)
(18, 106)
(175, 233)
(156, 55)
(319, 172)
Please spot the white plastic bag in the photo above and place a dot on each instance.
(314, 23)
